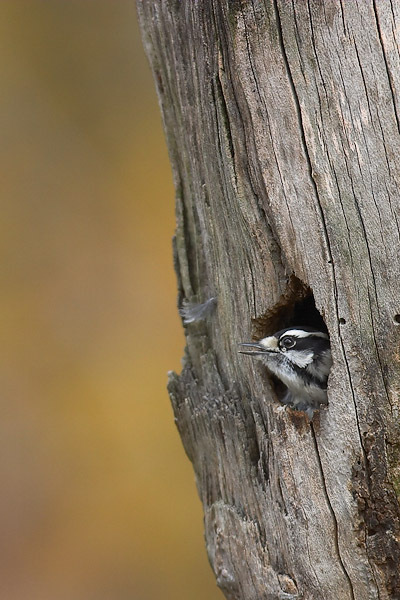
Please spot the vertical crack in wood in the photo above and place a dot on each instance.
(255, 79)
(314, 48)
(221, 82)
(343, 17)
(378, 27)
(367, 95)
(218, 93)
(301, 126)
(334, 520)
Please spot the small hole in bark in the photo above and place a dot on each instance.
(342, 321)
(396, 319)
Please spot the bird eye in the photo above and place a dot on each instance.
(288, 342)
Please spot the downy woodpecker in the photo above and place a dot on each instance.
(301, 358)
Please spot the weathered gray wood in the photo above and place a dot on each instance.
(282, 121)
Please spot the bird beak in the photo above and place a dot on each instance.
(256, 349)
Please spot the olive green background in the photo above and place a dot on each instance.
(98, 500)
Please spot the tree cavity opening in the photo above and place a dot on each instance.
(296, 307)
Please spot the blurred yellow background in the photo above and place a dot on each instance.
(98, 500)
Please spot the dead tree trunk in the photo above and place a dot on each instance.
(282, 120)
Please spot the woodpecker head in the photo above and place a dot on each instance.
(301, 358)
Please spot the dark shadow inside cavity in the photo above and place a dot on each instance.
(296, 307)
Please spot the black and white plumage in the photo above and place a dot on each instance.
(301, 358)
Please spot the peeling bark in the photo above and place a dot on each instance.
(282, 122)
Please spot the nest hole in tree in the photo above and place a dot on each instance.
(296, 307)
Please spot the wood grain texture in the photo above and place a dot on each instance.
(282, 122)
